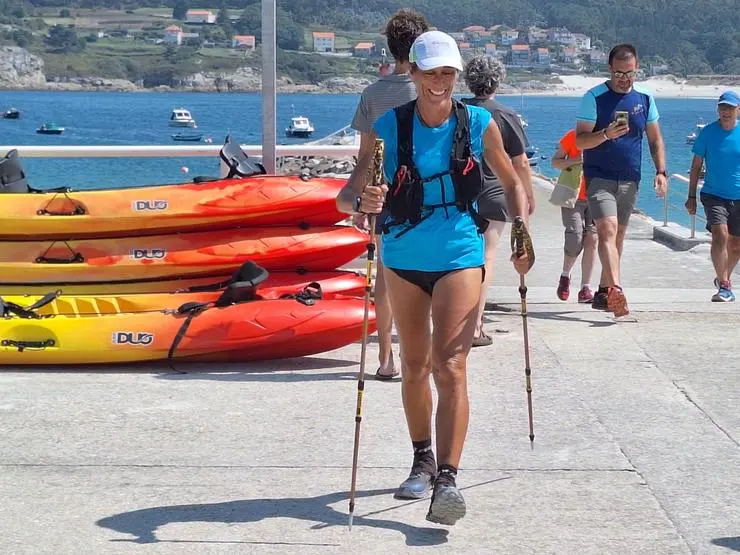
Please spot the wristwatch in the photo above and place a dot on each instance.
(357, 204)
(661, 172)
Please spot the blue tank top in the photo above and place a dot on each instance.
(447, 239)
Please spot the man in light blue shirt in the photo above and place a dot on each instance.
(718, 146)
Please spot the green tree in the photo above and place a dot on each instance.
(289, 33)
(180, 9)
(63, 39)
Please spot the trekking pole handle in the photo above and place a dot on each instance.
(519, 235)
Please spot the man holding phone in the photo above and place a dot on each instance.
(612, 120)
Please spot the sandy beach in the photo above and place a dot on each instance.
(661, 87)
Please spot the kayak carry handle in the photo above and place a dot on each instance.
(78, 211)
(76, 258)
(21, 345)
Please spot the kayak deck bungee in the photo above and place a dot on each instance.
(256, 201)
(338, 281)
(183, 255)
(274, 287)
(253, 329)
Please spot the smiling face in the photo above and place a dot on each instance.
(728, 115)
(623, 74)
(434, 87)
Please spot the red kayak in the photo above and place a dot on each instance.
(183, 255)
(232, 329)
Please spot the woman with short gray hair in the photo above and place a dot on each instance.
(483, 76)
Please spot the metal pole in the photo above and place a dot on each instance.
(693, 226)
(269, 86)
(665, 205)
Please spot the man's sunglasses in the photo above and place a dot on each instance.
(620, 74)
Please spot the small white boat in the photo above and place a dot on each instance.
(300, 126)
(180, 117)
(694, 134)
(522, 121)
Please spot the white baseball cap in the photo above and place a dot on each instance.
(435, 49)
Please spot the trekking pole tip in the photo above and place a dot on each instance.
(349, 524)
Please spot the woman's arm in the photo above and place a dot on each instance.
(497, 159)
(360, 175)
(561, 161)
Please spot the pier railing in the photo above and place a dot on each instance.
(164, 151)
(675, 198)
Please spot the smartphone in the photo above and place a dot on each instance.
(622, 117)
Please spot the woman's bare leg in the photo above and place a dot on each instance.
(412, 307)
(454, 315)
(384, 319)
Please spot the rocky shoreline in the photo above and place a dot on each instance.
(21, 70)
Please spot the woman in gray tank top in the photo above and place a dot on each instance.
(483, 75)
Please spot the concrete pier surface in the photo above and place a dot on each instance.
(637, 436)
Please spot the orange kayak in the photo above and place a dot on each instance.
(183, 255)
(91, 330)
(262, 200)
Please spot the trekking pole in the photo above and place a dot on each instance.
(521, 242)
(377, 181)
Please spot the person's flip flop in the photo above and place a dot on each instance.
(386, 377)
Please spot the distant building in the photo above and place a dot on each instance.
(323, 41)
(569, 55)
(364, 49)
(173, 35)
(200, 17)
(581, 42)
(536, 35)
(466, 49)
(543, 57)
(598, 58)
(490, 49)
(561, 35)
(508, 36)
(243, 42)
(520, 55)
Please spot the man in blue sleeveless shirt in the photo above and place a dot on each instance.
(612, 120)
(718, 145)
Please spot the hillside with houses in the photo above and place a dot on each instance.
(187, 44)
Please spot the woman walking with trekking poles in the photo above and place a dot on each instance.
(432, 249)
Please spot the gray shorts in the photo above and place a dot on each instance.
(577, 221)
(607, 197)
(492, 203)
(721, 211)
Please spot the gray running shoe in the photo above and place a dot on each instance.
(448, 505)
(421, 478)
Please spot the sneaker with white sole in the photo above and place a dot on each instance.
(448, 505)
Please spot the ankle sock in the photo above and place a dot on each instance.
(565, 274)
(422, 446)
(446, 474)
(424, 456)
(585, 285)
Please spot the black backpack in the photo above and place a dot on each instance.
(405, 197)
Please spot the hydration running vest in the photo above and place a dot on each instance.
(405, 197)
